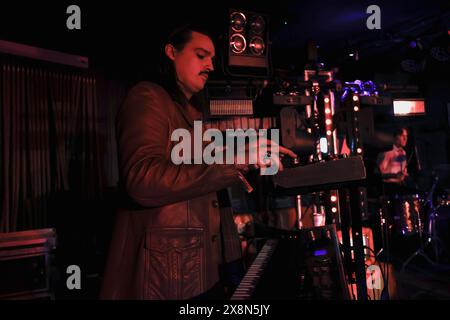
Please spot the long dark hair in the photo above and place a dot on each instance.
(178, 38)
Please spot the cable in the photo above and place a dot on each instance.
(383, 275)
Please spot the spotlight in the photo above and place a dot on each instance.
(238, 43)
(323, 145)
(238, 21)
(257, 25)
(257, 45)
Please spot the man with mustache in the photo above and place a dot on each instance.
(171, 238)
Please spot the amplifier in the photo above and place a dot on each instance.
(25, 264)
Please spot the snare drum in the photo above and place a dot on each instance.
(408, 214)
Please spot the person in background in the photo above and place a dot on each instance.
(392, 164)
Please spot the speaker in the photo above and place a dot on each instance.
(248, 44)
(26, 263)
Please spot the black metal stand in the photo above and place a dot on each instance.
(358, 246)
(351, 220)
(432, 239)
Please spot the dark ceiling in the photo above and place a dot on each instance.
(126, 35)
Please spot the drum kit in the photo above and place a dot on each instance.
(427, 216)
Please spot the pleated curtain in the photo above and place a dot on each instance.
(49, 141)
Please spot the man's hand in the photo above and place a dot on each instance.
(265, 153)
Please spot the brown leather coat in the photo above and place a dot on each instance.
(167, 244)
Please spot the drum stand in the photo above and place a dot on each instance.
(432, 239)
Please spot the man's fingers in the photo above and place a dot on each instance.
(288, 152)
(253, 147)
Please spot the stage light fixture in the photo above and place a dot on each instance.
(257, 45)
(238, 21)
(238, 43)
(247, 44)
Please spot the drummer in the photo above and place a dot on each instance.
(393, 165)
